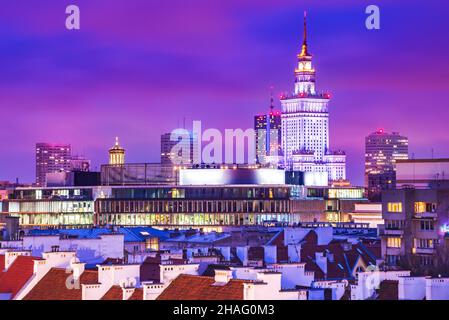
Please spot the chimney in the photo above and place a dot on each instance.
(270, 254)
(226, 252)
(223, 276)
(78, 269)
(242, 254)
(321, 261)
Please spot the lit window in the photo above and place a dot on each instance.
(394, 242)
(394, 206)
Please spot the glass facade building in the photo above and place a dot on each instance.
(195, 206)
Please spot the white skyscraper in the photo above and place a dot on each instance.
(305, 124)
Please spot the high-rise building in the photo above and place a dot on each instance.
(178, 151)
(116, 154)
(268, 132)
(51, 158)
(260, 128)
(305, 124)
(382, 150)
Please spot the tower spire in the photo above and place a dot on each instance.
(304, 51)
(271, 99)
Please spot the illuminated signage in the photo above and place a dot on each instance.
(444, 229)
(231, 176)
(316, 179)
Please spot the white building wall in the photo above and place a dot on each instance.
(437, 289)
(169, 272)
(338, 287)
(412, 288)
(368, 282)
(293, 274)
(152, 290)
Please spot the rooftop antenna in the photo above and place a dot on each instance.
(304, 51)
(271, 99)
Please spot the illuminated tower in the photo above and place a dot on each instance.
(268, 136)
(51, 158)
(382, 150)
(305, 123)
(260, 129)
(116, 154)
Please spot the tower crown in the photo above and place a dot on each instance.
(305, 73)
(116, 154)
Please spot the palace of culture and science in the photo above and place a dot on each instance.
(305, 124)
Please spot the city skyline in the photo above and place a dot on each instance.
(128, 80)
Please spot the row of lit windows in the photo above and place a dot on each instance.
(51, 206)
(113, 206)
(424, 243)
(419, 207)
(394, 206)
(198, 219)
(394, 242)
(61, 219)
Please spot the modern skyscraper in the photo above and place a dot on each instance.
(116, 154)
(268, 132)
(305, 123)
(170, 157)
(260, 128)
(382, 150)
(51, 158)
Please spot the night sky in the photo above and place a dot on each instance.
(137, 68)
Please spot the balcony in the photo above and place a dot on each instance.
(423, 250)
(326, 96)
(426, 215)
(392, 232)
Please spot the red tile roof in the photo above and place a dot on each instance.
(137, 294)
(2, 263)
(17, 275)
(53, 286)
(188, 287)
(115, 293)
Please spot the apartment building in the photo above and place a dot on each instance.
(416, 226)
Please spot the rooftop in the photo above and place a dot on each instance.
(188, 287)
(134, 234)
(17, 275)
(53, 286)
